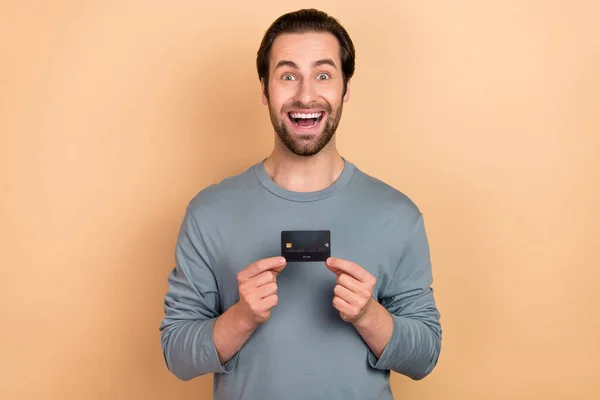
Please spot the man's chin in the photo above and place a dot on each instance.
(305, 152)
(304, 145)
(303, 139)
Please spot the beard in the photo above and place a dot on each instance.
(306, 145)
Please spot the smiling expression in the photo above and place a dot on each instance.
(305, 90)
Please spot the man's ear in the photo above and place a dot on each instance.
(265, 101)
(347, 94)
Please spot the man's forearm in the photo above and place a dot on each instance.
(375, 327)
(230, 333)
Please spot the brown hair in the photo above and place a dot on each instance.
(302, 21)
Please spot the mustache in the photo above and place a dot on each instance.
(296, 105)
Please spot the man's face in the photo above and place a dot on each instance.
(305, 90)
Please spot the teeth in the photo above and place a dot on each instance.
(301, 115)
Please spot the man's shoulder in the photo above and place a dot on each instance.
(381, 194)
(229, 189)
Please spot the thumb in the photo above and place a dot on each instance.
(331, 267)
(278, 269)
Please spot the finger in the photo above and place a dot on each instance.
(275, 264)
(345, 294)
(338, 265)
(341, 305)
(270, 301)
(261, 279)
(351, 284)
(264, 291)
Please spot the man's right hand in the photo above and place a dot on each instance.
(258, 294)
(257, 287)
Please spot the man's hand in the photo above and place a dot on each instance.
(258, 290)
(258, 294)
(354, 289)
(354, 300)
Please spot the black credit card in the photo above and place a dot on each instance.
(306, 245)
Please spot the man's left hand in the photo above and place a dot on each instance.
(354, 289)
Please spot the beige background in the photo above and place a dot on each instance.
(113, 114)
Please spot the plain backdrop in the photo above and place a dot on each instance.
(114, 114)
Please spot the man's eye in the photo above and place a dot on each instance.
(288, 78)
(322, 77)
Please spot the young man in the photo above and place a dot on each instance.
(268, 329)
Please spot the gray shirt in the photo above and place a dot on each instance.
(305, 350)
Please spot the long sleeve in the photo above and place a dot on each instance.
(191, 308)
(415, 345)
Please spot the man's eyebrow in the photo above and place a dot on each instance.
(285, 63)
(325, 61)
(318, 63)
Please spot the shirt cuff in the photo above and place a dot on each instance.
(386, 360)
(214, 356)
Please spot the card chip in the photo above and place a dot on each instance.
(288, 245)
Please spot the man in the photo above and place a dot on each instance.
(268, 329)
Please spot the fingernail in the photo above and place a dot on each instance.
(281, 260)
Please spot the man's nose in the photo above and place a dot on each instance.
(307, 92)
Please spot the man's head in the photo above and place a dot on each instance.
(305, 63)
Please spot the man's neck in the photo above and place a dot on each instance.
(304, 174)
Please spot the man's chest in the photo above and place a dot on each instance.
(372, 243)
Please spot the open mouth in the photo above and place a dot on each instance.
(303, 120)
